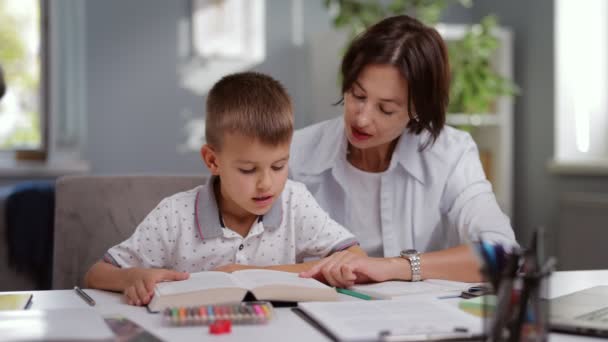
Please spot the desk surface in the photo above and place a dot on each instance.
(286, 324)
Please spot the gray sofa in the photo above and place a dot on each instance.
(93, 213)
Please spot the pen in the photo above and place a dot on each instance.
(84, 296)
(353, 293)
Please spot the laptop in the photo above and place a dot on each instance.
(583, 312)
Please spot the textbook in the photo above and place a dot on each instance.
(15, 301)
(204, 288)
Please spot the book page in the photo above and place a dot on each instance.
(364, 320)
(197, 282)
(258, 278)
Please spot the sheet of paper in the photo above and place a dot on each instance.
(73, 324)
(364, 320)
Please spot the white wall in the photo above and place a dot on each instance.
(136, 109)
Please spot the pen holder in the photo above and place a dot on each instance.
(518, 278)
(520, 313)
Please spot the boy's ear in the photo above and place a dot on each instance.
(209, 156)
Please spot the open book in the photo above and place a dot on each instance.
(204, 288)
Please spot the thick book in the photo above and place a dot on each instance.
(205, 288)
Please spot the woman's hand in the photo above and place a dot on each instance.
(344, 269)
(142, 281)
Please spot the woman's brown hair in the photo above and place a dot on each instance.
(420, 55)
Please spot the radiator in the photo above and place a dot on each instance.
(582, 238)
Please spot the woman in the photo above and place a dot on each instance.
(410, 188)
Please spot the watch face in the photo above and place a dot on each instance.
(409, 252)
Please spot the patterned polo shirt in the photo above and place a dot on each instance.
(185, 233)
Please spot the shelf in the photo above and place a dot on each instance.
(483, 119)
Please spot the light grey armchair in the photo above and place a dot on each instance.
(93, 213)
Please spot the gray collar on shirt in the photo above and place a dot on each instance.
(207, 215)
(407, 153)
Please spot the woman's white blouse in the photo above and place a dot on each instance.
(429, 199)
(362, 207)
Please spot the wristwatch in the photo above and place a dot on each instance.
(413, 257)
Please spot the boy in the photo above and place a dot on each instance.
(247, 214)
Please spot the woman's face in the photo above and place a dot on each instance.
(375, 108)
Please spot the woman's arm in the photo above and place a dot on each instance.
(294, 268)
(457, 263)
(345, 269)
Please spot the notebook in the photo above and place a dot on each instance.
(582, 312)
(74, 324)
(15, 301)
(479, 306)
(394, 289)
(204, 288)
(415, 318)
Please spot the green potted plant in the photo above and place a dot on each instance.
(475, 83)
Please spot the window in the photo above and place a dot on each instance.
(581, 82)
(23, 108)
(224, 36)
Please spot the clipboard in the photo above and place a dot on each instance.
(415, 319)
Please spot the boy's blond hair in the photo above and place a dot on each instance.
(249, 103)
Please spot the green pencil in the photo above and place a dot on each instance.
(354, 293)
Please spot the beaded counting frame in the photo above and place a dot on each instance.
(237, 313)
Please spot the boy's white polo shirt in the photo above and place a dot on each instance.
(184, 233)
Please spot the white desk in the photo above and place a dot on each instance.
(285, 326)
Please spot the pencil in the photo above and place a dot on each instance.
(353, 294)
(84, 296)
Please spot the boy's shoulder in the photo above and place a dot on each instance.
(186, 197)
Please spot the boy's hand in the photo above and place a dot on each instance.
(235, 267)
(142, 281)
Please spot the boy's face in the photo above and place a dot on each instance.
(252, 174)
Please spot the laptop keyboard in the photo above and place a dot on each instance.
(600, 315)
